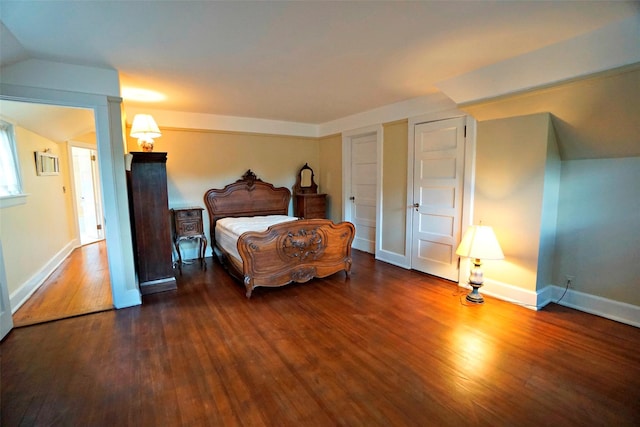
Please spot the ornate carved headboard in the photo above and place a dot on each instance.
(248, 196)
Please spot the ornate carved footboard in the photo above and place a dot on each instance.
(295, 251)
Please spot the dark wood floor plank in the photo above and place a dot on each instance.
(386, 346)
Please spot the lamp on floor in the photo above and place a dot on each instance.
(479, 242)
(145, 129)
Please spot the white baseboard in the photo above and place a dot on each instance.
(396, 259)
(24, 291)
(508, 292)
(603, 307)
(363, 245)
(593, 304)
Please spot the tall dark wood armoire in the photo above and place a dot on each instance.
(150, 221)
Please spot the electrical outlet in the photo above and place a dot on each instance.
(569, 279)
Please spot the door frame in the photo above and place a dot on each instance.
(347, 138)
(109, 125)
(468, 177)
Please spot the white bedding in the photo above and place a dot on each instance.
(228, 230)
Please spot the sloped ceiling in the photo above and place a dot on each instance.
(53, 122)
(598, 117)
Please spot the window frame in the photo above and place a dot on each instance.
(18, 198)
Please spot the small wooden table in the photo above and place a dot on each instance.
(187, 223)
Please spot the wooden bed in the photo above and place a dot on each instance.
(295, 251)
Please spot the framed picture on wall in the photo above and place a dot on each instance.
(47, 163)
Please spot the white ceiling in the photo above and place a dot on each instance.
(306, 61)
(53, 122)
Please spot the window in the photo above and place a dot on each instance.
(10, 183)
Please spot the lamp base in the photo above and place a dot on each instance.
(476, 279)
(146, 144)
(147, 147)
(474, 296)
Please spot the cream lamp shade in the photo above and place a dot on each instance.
(145, 129)
(479, 242)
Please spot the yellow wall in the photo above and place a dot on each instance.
(200, 160)
(34, 232)
(511, 163)
(330, 180)
(394, 186)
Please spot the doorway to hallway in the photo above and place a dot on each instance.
(87, 199)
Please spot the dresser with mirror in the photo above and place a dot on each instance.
(307, 202)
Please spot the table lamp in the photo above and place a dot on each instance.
(145, 129)
(479, 242)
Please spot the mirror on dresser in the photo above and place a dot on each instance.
(307, 202)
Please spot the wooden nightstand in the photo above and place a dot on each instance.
(187, 225)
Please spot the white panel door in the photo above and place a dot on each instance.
(437, 196)
(363, 191)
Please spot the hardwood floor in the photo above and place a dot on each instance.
(80, 285)
(387, 347)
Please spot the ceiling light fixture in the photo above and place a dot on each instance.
(142, 95)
